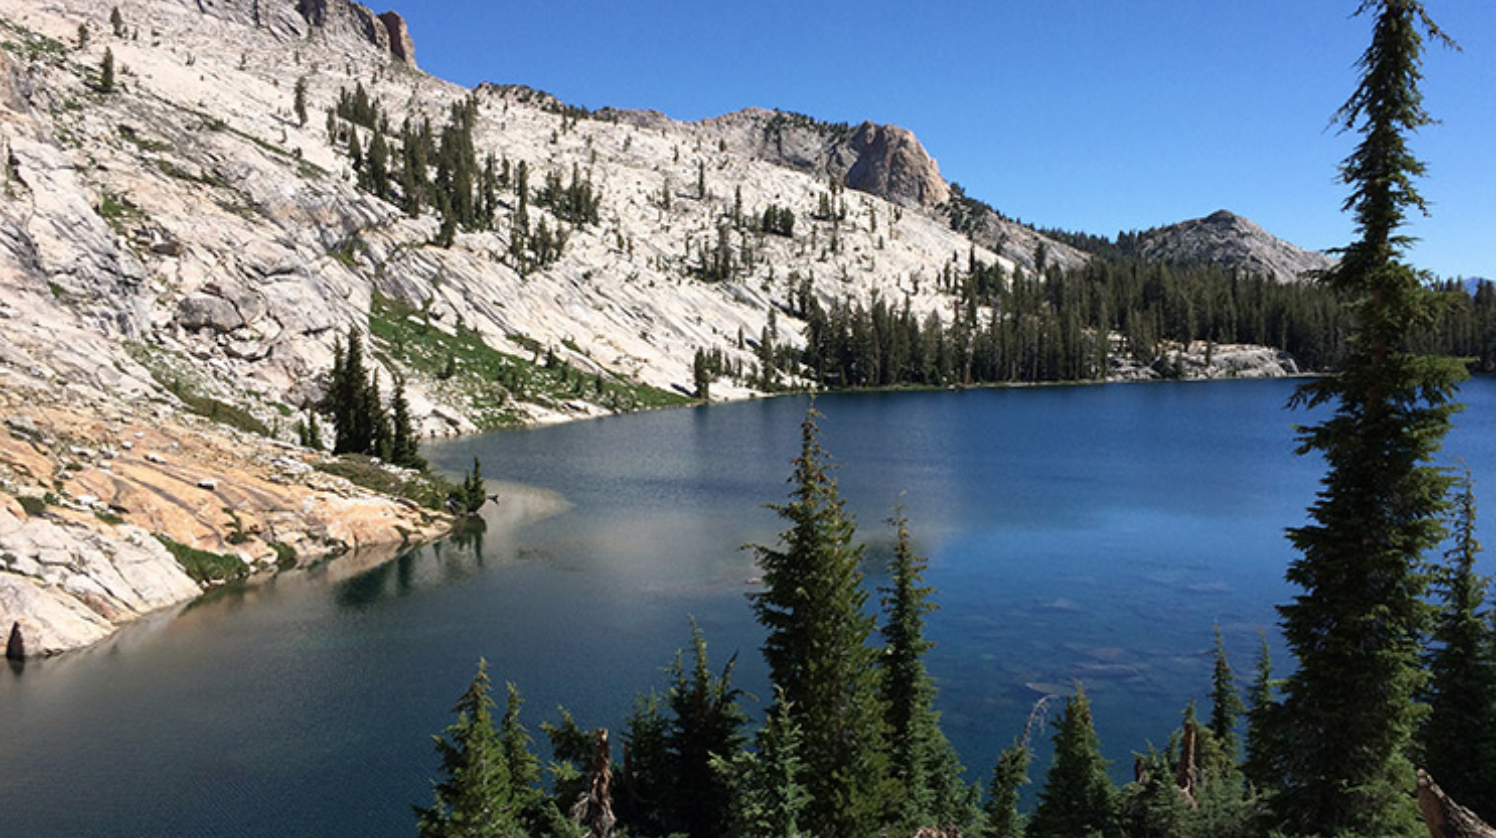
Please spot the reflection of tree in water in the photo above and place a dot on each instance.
(453, 559)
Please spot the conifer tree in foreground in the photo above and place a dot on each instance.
(818, 653)
(1225, 702)
(1459, 736)
(1348, 712)
(922, 760)
(768, 796)
(1001, 808)
(1078, 798)
(476, 798)
(708, 722)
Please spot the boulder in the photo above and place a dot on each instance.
(204, 311)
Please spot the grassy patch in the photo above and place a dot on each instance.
(174, 373)
(205, 567)
(490, 381)
(142, 143)
(285, 555)
(108, 517)
(33, 505)
(218, 411)
(428, 490)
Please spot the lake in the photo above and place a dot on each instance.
(1093, 533)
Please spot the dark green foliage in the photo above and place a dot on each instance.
(701, 373)
(358, 413)
(644, 787)
(117, 22)
(778, 220)
(1458, 739)
(427, 489)
(1260, 762)
(404, 442)
(1008, 776)
(215, 409)
(1348, 713)
(923, 762)
(1078, 798)
(471, 497)
(769, 796)
(106, 72)
(576, 202)
(817, 650)
(1226, 705)
(1153, 806)
(707, 722)
(309, 433)
(477, 796)
(205, 567)
(298, 102)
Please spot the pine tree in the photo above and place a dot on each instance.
(106, 72)
(470, 497)
(769, 797)
(1225, 702)
(117, 22)
(475, 797)
(298, 102)
(1078, 798)
(641, 804)
(1459, 735)
(405, 444)
(923, 762)
(1260, 762)
(1008, 776)
(1348, 712)
(707, 722)
(818, 653)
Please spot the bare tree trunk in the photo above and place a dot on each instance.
(1446, 818)
(594, 806)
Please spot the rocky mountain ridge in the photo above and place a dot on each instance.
(1230, 241)
(185, 238)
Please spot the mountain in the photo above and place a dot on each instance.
(183, 255)
(1229, 241)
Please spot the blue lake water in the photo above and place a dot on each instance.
(1091, 533)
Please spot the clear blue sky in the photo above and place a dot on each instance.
(1098, 115)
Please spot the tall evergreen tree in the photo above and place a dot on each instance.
(475, 799)
(818, 652)
(106, 71)
(1348, 711)
(1008, 776)
(1225, 702)
(1459, 736)
(298, 101)
(769, 797)
(708, 722)
(1078, 798)
(922, 759)
(1260, 761)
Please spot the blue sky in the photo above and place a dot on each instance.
(1099, 115)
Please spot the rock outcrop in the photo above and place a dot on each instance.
(1230, 241)
(891, 163)
(341, 20)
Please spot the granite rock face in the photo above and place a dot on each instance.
(1230, 241)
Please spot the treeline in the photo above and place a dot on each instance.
(851, 743)
(1071, 325)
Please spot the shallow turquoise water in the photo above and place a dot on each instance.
(1082, 532)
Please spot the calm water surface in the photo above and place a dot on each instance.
(1091, 533)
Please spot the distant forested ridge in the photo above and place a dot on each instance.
(1074, 325)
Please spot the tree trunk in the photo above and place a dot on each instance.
(1446, 818)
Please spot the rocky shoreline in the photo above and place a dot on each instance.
(95, 490)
